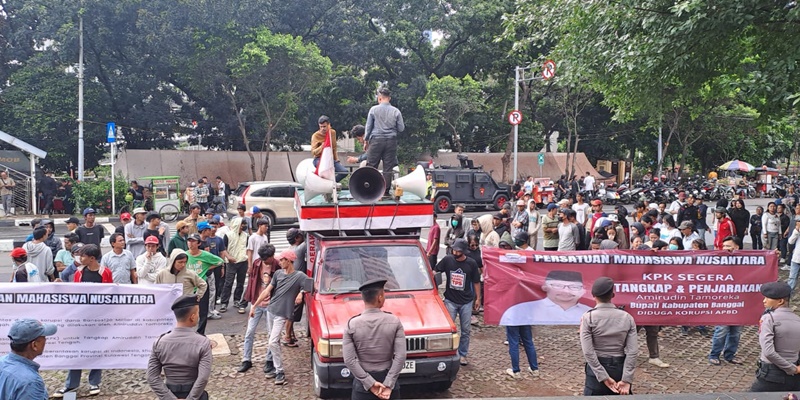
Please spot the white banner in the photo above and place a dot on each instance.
(100, 326)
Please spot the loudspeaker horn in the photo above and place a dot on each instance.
(316, 185)
(367, 185)
(413, 183)
(303, 169)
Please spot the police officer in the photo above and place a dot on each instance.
(609, 343)
(183, 354)
(374, 347)
(779, 337)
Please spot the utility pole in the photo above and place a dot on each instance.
(80, 99)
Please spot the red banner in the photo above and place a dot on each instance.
(665, 288)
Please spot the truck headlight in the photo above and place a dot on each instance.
(443, 342)
(329, 348)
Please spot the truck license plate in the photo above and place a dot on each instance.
(409, 367)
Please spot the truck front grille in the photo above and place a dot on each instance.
(415, 344)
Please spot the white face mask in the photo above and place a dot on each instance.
(612, 237)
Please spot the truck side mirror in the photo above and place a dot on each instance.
(437, 277)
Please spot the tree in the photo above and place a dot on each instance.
(447, 104)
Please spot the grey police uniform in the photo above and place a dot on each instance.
(374, 347)
(779, 337)
(185, 357)
(609, 343)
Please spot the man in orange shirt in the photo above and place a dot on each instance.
(318, 142)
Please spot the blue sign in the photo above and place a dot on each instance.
(111, 132)
(541, 159)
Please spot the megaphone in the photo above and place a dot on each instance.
(367, 185)
(316, 185)
(413, 183)
(303, 169)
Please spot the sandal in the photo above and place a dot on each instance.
(714, 361)
(735, 361)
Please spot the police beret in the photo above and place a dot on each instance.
(776, 290)
(569, 276)
(185, 301)
(602, 286)
(372, 284)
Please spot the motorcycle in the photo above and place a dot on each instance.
(608, 195)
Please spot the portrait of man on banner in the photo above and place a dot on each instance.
(563, 290)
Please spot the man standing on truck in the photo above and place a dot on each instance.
(462, 294)
(374, 347)
(384, 123)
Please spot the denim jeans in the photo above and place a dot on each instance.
(514, 334)
(783, 245)
(725, 342)
(341, 171)
(250, 335)
(793, 275)
(702, 234)
(8, 203)
(74, 378)
(464, 313)
(275, 332)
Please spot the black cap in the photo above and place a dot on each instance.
(372, 284)
(73, 220)
(776, 290)
(292, 234)
(499, 216)
(241, 207)
(460, 245)
(194, 236)
(569, 276)
(151, 215)
(185, 301)
(602, 286)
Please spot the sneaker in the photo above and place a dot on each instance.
(463, 361)
(658, 363)
(245, 366)
(534, 372)
(219, 301)
(505, 342)
(94, 390)
(60, 392)
(223, 308)
(241, 310)
(515, 375)
(473, 320)
(280, 378)
(786, 268)
(269, 368)
(214, 315)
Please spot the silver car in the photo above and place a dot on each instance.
(274, 198)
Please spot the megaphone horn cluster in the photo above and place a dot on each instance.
(413, 183)
(367, 185)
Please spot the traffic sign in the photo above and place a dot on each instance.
(111, 132)
(515, 117)
(541, 159)
(549, 69)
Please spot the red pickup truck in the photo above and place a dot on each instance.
(340, 259)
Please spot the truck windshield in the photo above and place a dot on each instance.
(344, 269)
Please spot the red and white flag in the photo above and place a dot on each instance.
(325, 167)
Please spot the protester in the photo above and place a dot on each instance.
(236, 269)
(19, 374)
(120, 261)
(149, 264)
(755, 228)
(201, 262)
(89, 232)
(22, 270)
(795, 260)
(725, 341)
(179, 240)
(288, 290)
(726, 228)
(178, 273)
(455, 230)
(40, 255)
(771, 227)
(384, 123)
(134, 232)
(158, 229)
(68, 274)
(258, 279)
(51, 240)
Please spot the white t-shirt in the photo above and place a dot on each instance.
(528, 186)
(588, 183)
(254, 242)
(580, 209)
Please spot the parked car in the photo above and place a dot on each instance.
(274, 198)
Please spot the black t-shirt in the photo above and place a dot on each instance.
(91, 235)
(475, 255)
(461, 276)
(91, 276)
(21, 275)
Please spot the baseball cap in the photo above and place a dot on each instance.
(460, 245)
(180, 225)
(152, 215)
(203, 226)
(255, 210)
(151, 240)
(27, 330)
(292, 234)
(520, 202)
(288, 254)
(18, 252)
(686, 225)
(125, 217)
(613, 217)
(551, 206)
(76, 248)
(72, 220)
(194, 236)
(216, 219)
(597, 202)
(88, 210)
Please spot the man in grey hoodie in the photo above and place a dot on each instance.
(40, 255)
(51, 240)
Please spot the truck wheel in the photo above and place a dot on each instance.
(443, 204)
(499, 201)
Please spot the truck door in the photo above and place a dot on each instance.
(482, 188)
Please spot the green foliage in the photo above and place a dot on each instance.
(96, 192)
(447, 105)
